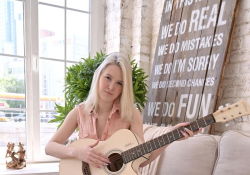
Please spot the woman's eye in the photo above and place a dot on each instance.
(120, 83)
(108, 78)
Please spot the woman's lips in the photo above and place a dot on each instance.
(108, 92)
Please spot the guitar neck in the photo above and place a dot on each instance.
(165, 139)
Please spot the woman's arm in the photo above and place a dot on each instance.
(136, 125)
(55, 147)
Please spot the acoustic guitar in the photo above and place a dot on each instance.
(126, 152)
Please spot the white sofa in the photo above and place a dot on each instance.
(202, 154)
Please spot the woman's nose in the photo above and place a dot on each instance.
(111, 86)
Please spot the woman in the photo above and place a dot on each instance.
(108, 108)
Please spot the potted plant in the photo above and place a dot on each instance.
(78, 82)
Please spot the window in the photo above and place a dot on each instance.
(39, 39)
(12, 76)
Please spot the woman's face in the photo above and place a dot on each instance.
(110, 83)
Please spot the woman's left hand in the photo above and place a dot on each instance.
(186, 133)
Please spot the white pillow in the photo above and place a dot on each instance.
(233, 154)
(193, 156)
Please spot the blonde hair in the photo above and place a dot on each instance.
(127, 95)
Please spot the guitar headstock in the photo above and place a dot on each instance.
(233, 111)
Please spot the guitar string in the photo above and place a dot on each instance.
(117, 157)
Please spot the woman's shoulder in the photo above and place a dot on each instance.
(136, 110)
(83, 107)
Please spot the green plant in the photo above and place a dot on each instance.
(78, 82)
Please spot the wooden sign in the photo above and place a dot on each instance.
(189, 57)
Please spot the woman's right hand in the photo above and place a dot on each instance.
(89, 155)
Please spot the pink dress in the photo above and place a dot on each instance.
(87, 123)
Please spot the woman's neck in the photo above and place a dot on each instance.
(105, 107)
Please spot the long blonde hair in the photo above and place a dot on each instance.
(127, 95)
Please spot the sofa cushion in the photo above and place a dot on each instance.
(233, 154)
(193, 156)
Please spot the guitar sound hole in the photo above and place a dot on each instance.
(116, 162)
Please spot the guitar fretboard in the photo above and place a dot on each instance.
(158, 142)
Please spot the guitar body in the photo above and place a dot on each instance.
(120, 141)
